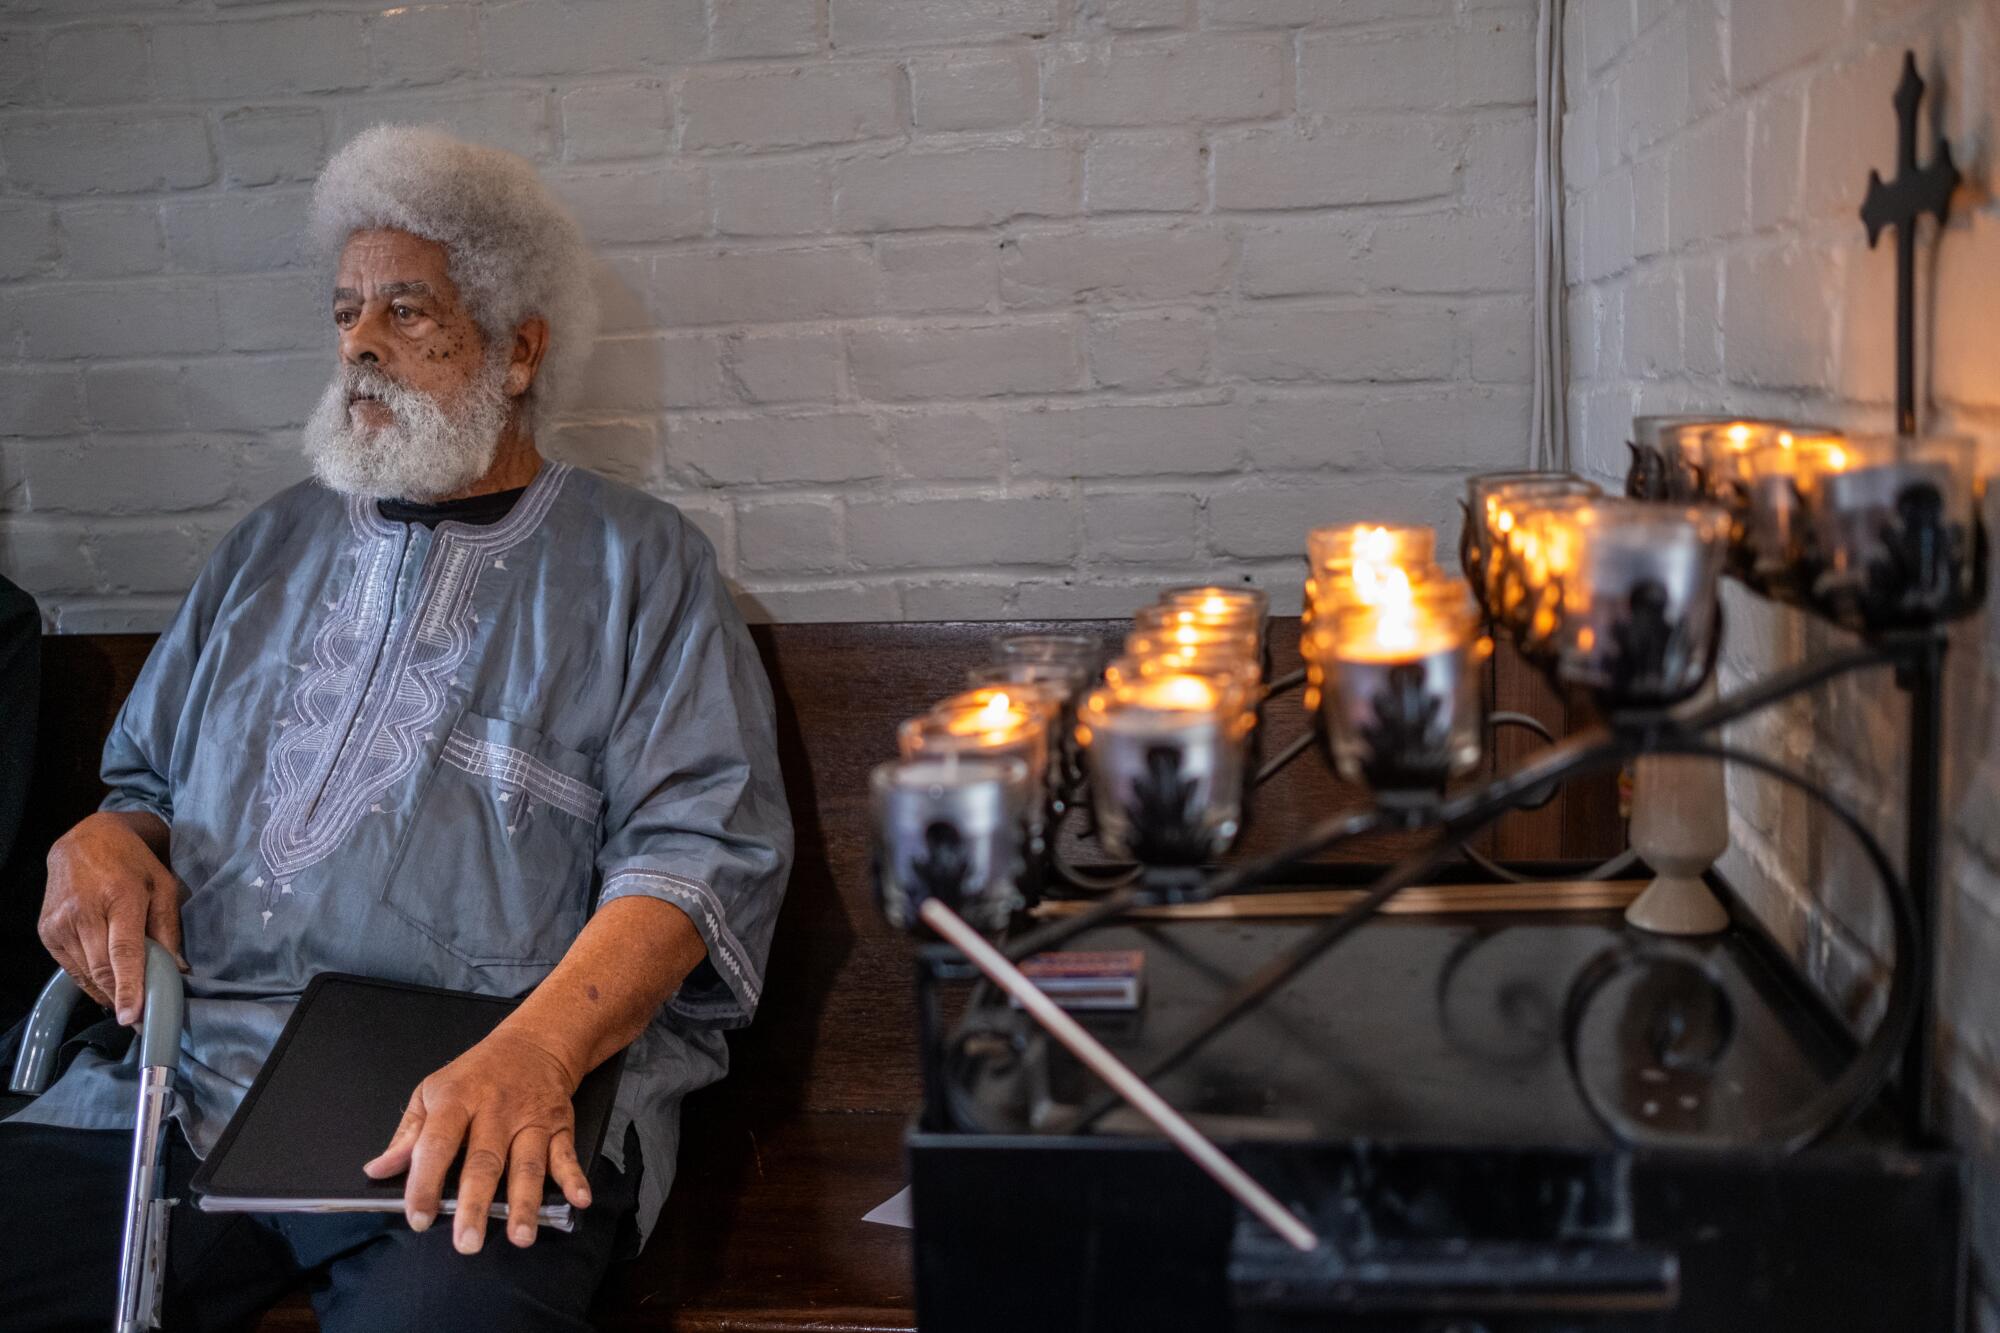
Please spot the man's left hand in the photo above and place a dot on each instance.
(507, 1102)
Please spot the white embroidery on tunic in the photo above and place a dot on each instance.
(363, 713)
(517, 770)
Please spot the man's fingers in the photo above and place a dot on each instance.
(60, 941)
(478, 1179)
(527, 1171)
(566, 1170)
(163, 918)
(93, 945)
(436, 1146)
(125, 946)
(396, 1156)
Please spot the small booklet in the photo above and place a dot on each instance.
(1089, 979)
(335, 1088)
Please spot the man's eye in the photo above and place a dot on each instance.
(343, 317)
(406, 312)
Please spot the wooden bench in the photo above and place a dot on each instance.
(780, 1160)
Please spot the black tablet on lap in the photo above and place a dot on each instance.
(335, 1088)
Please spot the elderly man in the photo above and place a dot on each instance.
(447, 714)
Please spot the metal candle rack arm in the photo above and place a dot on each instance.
(1459, 818)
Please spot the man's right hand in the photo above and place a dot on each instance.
(108, 891)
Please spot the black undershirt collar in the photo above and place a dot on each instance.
(478, 510)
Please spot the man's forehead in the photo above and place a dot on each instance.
(382, 256)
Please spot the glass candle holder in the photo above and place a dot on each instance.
(1496, 501)
(949, 828)
(1725, 450)
(1063, 680)
(1648, 475)
(1365, 562)
(1082, 651)
(1013, 732)
(1215, 600)
(1639, 614)
(1539, 562)
(1184, 629)
(1772, 543)
(1896, 531)
(985, 709)
(1212, 654)
(1504, 506)
(1060, 685)
(1531, 561)
(1401, 699)
(1227, 671)
(1166, 766)
(1380, 544)
(1240, 609)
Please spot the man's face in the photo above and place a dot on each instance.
(396, 308)
(418, 405)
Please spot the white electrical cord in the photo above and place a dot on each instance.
(1548, 429)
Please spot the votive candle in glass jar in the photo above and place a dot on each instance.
(980, 708)
(1542, 559)
(1401, 700)
(1726, 448)
(1227, 670)
(950, 827)
(1166, 766)
(1211, 648)
(1497, 501)
(1360, 562)
(1085, 652)
(1773, 537)
(1531, 560)
(1649, 475)
(1009, 731)
(1639, 615)
(1219, 601)
(1896, 531)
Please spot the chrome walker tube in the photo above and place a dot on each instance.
(142, 1256)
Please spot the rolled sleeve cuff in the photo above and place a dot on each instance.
(119, 802)
(724, 990)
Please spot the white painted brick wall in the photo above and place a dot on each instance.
(921, 308)
(1756, 292)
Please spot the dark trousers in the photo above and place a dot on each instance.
(62, 1195)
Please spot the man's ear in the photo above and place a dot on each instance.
(531, 340)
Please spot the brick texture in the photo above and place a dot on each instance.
(920, 308)
(1747, 285)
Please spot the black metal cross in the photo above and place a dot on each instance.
(1899, 203)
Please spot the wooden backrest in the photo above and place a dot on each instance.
(834, 1032)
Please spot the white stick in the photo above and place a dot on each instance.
(1113, 1071)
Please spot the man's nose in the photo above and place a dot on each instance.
(361, 342)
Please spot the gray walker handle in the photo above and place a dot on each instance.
(36, 1059)
(142, 1258)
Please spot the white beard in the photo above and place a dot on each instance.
(432, 448)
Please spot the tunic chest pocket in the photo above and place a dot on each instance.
(497, 865)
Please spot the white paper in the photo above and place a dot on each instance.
(893, 1211)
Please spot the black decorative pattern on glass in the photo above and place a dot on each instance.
(1646, 478)
(1407, 737)
(1917, 570)
(941, 871)
(1167, 813)
(1647, 648)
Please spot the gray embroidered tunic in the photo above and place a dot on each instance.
(428, 754)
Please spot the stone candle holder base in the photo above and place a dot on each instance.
(1678, 905)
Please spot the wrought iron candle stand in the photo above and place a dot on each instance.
(1638, 626)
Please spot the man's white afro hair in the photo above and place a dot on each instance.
(512, 249)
